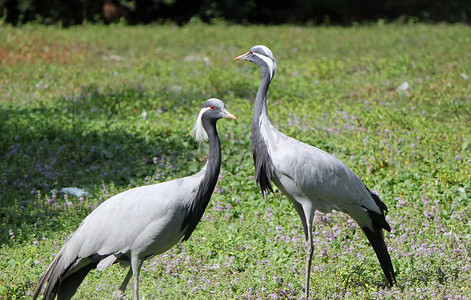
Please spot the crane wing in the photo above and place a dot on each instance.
(132, 220)
(322, 177)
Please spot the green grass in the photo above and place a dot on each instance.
(71, 105)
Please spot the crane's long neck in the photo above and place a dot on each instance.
(264, 169)
(208, 182)
(213, 164)
(260, 111)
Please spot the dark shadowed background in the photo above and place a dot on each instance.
(339, 12)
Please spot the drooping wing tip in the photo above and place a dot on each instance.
(376, 240)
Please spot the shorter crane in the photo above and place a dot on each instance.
(139, 223)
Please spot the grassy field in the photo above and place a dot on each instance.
(107, 108)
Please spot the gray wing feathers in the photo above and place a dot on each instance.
(324, 178)
(152, 204)
(106, 262)
(51, 276)
(329, 182)
(77, 257)
(64, 273)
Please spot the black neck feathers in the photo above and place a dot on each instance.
(208, 183)
(264, 169)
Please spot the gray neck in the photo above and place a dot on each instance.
(260, 106)
(264, 169)
(208, 183)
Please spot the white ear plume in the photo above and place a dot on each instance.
(198, 131)
(270, 63)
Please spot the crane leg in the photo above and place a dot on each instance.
(136, 265)
(309, 253)
(306, 210)
(300, 211)
(309, 211)
(122, 287)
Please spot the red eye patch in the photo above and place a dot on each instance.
(251, 52)
(211, 107)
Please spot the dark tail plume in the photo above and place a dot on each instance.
(376, 239)
(61, 280)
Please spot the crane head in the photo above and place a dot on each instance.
(261, 56)
(213, 109)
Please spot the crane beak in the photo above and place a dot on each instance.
(243, 56)
(229, 115)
